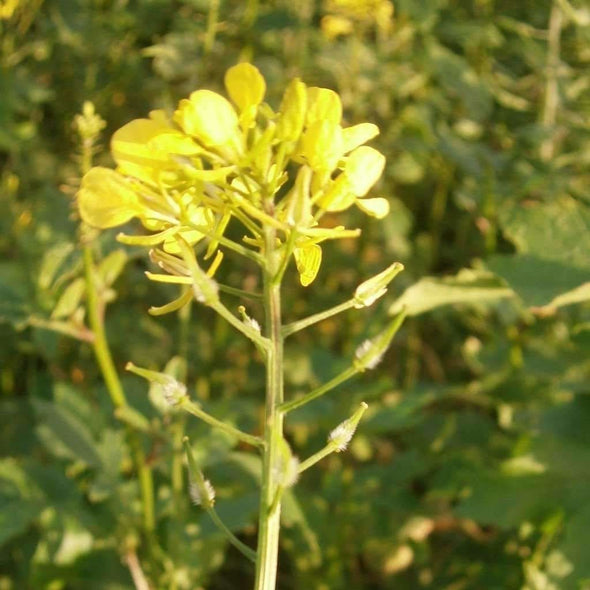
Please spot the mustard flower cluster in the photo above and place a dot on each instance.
(216, 160)
(345, 16)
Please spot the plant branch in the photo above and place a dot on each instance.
(299, 325)
(194, 409)
(334, 382)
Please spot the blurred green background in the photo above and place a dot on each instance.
(471, 470)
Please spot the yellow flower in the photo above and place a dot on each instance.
(246, 87)
(345, 14)
(322, 145)
(144, 148)
(106, 199)
(186, 178)
(333, 26)
(292, 112)
(209, 118)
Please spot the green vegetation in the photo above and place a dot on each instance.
(470, 467)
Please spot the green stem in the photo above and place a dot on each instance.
(179, 421)
(212, 20)
(116, 393)
(315, 318)
(341, 378)
(270, 507)
(195, 410)
(316, 457)
(241, 547)
(551, 98)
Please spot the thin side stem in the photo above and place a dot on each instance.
(341, 378)
(195, 410)
(241, 547)
(115, 389)
(315, 318)
(316, 457)
(551, 99)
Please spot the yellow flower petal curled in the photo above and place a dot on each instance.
(105, 199)
(363, 169)
(209, 117)
(292, 111)
(323, 104)
(308, 259)
(356, 135)
(376, 207)
(245, 85)
(321, 145)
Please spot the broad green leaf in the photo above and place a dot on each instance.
(468, 286)
(538, 281)
(70, 431)
(16, 516)
(558, 230)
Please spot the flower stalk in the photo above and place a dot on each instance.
(269, 520)
(184, 178)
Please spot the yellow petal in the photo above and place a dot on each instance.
(245, 85)
(292, 111)
(323, 104)
(298, 212)
(357, 135)
(338, 196)
(196, 216)
(209, 117)
(363, 168)
(377, 207)
(334, 26)
(131, 150)
(308, 259)
(322, 145)
(105, 199)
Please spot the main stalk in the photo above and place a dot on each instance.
(270, 504)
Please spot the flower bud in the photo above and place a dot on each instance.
(202, 493)
(374, 288)
(369, 354)
(343, 433)
(173, 391)
(200, 489)
(248, 321)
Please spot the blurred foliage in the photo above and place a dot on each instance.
(472, 468)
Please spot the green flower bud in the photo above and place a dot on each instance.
(173, 391)
(374, 288)
(369, 354)
(343, 433)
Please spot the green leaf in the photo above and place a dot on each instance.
(70, 299)
(468, 286)
(112, 266)
(536, 280)
(69, 431)
(13, 291)
(53, 259)
(558, 230)
(16, 516)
